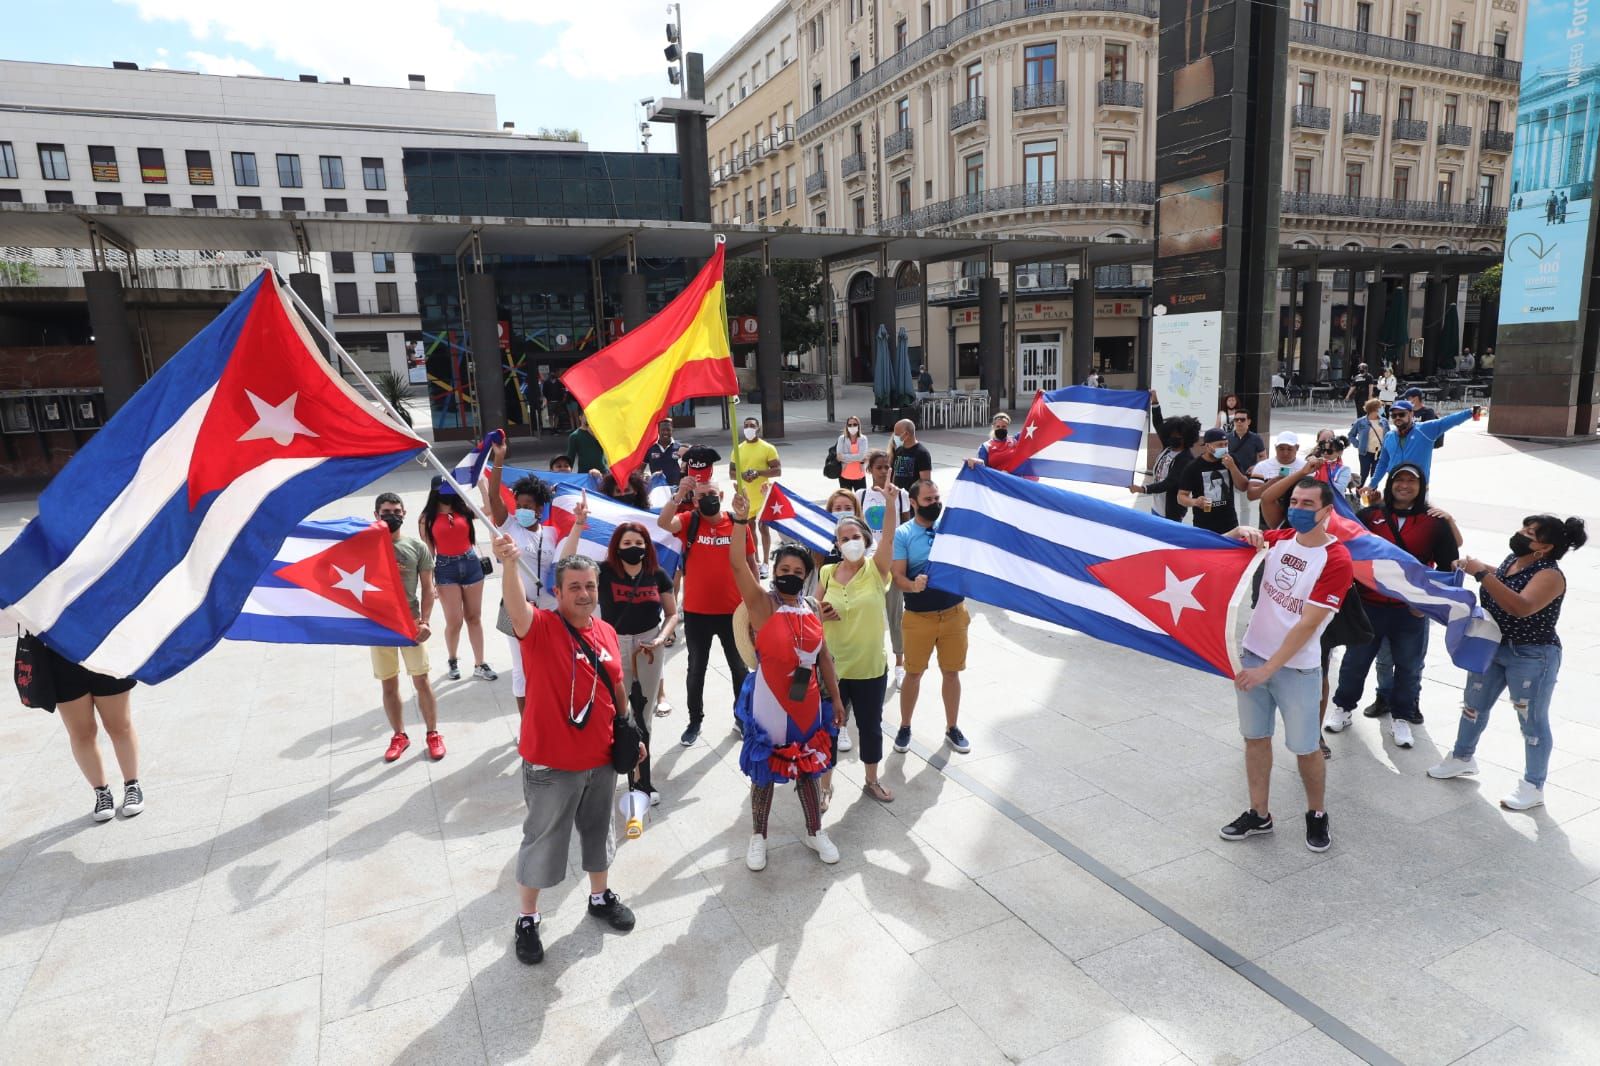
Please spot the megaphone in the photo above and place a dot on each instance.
(634, 805)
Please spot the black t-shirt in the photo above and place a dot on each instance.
(1246, 450)
(632, 604)
(907, 464)
(1362, 384)
(1211, 480)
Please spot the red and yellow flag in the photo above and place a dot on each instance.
(680, 354)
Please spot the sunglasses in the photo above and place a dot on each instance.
(1241, 420)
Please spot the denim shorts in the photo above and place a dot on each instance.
(1295, 694)
(458, 569)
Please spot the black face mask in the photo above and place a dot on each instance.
(1521, 544)
(393, 521)
(929, 511)
(631, 556)
(1176, 444)
(1001, 432)
(789, 584)
(710, 505)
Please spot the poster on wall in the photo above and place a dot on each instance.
(1552, 167)
(1185, 361)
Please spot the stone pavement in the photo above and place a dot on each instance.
(1059, 895)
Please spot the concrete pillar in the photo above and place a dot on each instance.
(121, 369)
(991, 340)
(1142, 367)
(1082, 323)
(1310, 327)
(769, 357)
(1433, 301)
(631, 289)
(308, 287)
(883, 310)
(1377, 303)
(483, 338)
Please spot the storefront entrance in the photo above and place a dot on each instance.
(1038, 364)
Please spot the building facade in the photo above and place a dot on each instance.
(752, 152)
(1027, 116)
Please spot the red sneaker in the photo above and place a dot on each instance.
(435, 746)
(397, 747)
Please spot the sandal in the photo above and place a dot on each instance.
(663, 709)
(876, 790)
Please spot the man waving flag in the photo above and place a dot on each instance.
(150, 540)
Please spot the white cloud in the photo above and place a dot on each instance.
(206, 63)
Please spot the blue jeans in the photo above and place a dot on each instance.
(1295, 694)
(1402, 637)
(1528, 673)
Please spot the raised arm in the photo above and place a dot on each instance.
(497, 506)
(518, 609)
(1438, 427)
(883, 554)
(668, 518)
(1545, 586)
(580, 519)
(755, 600)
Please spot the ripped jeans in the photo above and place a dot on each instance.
(1527, 673)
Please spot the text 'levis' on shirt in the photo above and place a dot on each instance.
(1291, 576)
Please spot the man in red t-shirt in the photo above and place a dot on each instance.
(573, 671)
(1304, 579)
(695, 516)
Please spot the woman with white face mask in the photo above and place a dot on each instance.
(853, 596)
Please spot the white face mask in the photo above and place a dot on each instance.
(853, 550)
(749, 433)
(852, 430)
(840, 516)
(899, 441)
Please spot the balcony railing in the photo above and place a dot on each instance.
(852, 164)
(972, 109)
(908, 297)
(1311, 117)
(1377, 46)
(962, 26)
(1410, 129)
(897, 143)
(1453, 135)
(816, 183)
(1334, 206)
(1040, 94)
(1118, 93)
(1021, 197)
(1497, 140)
(1361, 124)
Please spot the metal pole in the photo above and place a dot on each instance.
(825, 313)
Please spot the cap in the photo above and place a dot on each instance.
(1214, 435)
(1413, 391)
(1409, 468)
(1401, 405)
(700, 461)
(1287, 437)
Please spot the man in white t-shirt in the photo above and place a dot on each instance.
(1304, 578)
(521, 519)
(874, 498)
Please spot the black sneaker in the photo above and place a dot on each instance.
(902, 738)
(529, 948)
(1248, 824)
(105, 804)
(1414, 717)
(957, 739)
(132, 799)
(454, 673)
(1378, 708)
(1317, 838)
(690, 735)
(612, 912)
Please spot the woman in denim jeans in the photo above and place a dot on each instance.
(1523, 595)
(448, 529)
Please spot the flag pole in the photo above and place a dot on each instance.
(427, 451)
(733, 401)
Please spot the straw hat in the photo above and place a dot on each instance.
(743, 639)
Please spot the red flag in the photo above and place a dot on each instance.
(1039, 430)
(362, 574)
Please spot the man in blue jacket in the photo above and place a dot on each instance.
(1410, 441)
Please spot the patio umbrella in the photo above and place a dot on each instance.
(1395, 338)
(904, 382)
(1449, 342)
(882, 369)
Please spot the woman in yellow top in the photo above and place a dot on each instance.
(755, 462)
(854, 618)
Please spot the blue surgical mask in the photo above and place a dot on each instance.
(526, 518)
(1303, 519)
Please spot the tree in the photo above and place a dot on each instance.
(799, 292)
(1487, 285)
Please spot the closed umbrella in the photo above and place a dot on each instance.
(905, 383)
(882, 369)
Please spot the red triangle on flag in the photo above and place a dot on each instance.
(1040, 429)
(278, 399)
(778, 505)
(1186, 592)
(362, 574)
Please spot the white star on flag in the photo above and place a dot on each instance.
(1179, 595)
(1030, 429)
(354, 582)
(275, 423)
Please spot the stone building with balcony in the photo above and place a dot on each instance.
(754, 157)
(1029, 116)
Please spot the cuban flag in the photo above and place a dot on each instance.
(334, 581)
(149, 542)
(798, 519)
(1081, 434)
(1118, 575)
(470, 469)
(605, 514)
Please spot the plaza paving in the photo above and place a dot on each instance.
(1059, 895)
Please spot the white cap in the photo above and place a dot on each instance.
(1286, 437)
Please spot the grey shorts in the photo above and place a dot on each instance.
(557, 801)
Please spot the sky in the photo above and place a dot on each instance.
(555, 63)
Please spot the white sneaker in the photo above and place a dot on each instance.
(766, 571)
(1402, 732)
(899, 676)
(755, 855)
(655, 799)
(825, 848)
(1338, 720)
(1451, 766)
(1523, 797)
(844, 740)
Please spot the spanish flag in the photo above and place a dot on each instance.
(680, 354)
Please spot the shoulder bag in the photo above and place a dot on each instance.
(625, 738)
(35, 681)
(831, 467)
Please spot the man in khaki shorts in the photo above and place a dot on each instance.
(416, 572)
(933, 620)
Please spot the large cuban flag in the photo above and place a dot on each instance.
(605, 514)
(798, 519)
(1105, 570)
(1087, 434)
(151, 539)
(333, 581)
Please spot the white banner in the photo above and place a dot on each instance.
(1185, 358)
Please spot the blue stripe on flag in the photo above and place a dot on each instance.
(1128, 399)
(1059, 471)
(1101, 435)
(314, 629)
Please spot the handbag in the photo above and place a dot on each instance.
(831, 467)
(31, 671)
(625, 738)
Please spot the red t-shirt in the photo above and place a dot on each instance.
(450, 534)
(1293, 575)
(708, 586)
(560, 680)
